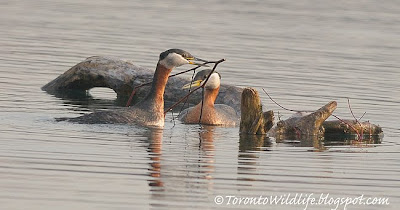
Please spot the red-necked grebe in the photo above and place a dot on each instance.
(211, 114)
(149, 111)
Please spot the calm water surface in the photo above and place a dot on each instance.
(304, 53)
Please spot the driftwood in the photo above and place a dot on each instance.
(351, 127)
(123, 76)
(308, 125)
(312, 126)
(253, 120)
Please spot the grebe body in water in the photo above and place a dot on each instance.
(211, 114)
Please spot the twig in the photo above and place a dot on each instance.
(370, 132)
(173, 118)
(279, 116)
(352, 127)
(351, 111)
(190, 89)
(180, 100)
(202, 86)
(362, 116)
(358, 122)
(128, 103)
(292, 110)
(202, 102)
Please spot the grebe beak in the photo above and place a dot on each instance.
(193, 84)
(193, 60)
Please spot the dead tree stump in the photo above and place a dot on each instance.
(253, 120)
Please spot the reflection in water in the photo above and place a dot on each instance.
(315, 141)
(78, 100)
(334, 140)
(199, 158)
(253, 142)
(249, 147)
(206, 137)
(322, 143)
(154, 149)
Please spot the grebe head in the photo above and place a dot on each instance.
(177, 57)
(212, 83)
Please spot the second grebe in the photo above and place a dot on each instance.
(211, 114)
(149, 111)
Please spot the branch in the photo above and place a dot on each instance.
(202, 86)
(128, 103)
(292, 110)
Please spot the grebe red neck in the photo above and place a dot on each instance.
(210, 95)
(156, 95)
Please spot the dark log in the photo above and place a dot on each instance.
(253, 120)
(123, 76)
(351, 127)
(308, 125)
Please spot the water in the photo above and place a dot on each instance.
(304, 53)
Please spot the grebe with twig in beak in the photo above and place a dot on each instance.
(149, 111)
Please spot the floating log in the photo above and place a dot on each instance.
(351, 127)
(308, 125)
(122, 76)
(253, 120)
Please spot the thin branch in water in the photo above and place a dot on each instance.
(360, 135)
(173, 118)
(292, 110)
(202, 86)
(180, 100)
(352, 127)
(202, 103)
(362, 116)
(190, 89)
(128, 103)
(351, 111)
(370, 131)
